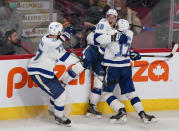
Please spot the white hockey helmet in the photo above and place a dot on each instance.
(54, 28)
(111, 12)
(122, 25)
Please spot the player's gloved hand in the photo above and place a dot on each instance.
(93, 28)
(123, 39)
(134, 55)
(68, 32)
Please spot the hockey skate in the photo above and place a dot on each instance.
(147, 118)
(92, 111)
(120, 117)
(63, 121)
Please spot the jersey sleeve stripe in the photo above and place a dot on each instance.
(40, 70)
(64, 57)
(117, 62)
(96, 36)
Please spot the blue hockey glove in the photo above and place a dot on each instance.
(68, 32)
(134, 55)
(123, 39)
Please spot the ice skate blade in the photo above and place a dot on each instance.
(154, 120)
(119, 121)
(66, 125)
(90, 115)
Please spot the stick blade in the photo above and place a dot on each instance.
(175, 47)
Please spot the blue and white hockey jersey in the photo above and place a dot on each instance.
(117, 55)
(98, 37)
(49, 53)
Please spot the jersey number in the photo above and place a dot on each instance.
(39, 53)
(123, 49)
(100, 26)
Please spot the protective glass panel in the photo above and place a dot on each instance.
(154, 19)
(149, 20)
(154, 23)
(175, 21)
(22, 25)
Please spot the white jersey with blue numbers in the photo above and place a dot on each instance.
(98, 37)
(103, 26)
(49, 53)
(114, 52)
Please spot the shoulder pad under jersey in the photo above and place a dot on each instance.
(102, 26)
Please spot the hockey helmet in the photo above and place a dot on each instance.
(54, 28)
(111, 12)
(122, 25)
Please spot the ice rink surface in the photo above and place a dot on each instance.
(167, 121)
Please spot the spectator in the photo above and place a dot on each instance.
(11, 38)
(97, 10)
(127, 13)
(9, 17)
(140, 3)
(95, 13)
(71, 12)
(11, 44)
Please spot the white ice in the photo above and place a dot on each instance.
(167, 121)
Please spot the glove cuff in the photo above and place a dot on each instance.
(66, 35)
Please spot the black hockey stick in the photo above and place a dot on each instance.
(175, 47)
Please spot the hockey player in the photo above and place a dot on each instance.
(93, 55)
(117, 60)
(42, 64)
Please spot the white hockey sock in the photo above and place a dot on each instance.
(94, 98)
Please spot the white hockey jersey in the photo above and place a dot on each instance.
(101, 36)
(114, 52)
(49, 53)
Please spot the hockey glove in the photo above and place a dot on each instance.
(134, 55)
(123, 39)
(68, 32)
(92, 28)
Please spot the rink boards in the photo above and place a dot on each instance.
(155, 79)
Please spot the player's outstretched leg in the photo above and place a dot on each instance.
(147, 118)
(93, 111)
(120, 117)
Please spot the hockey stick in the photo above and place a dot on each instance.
(175, 47)
(144, 28)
